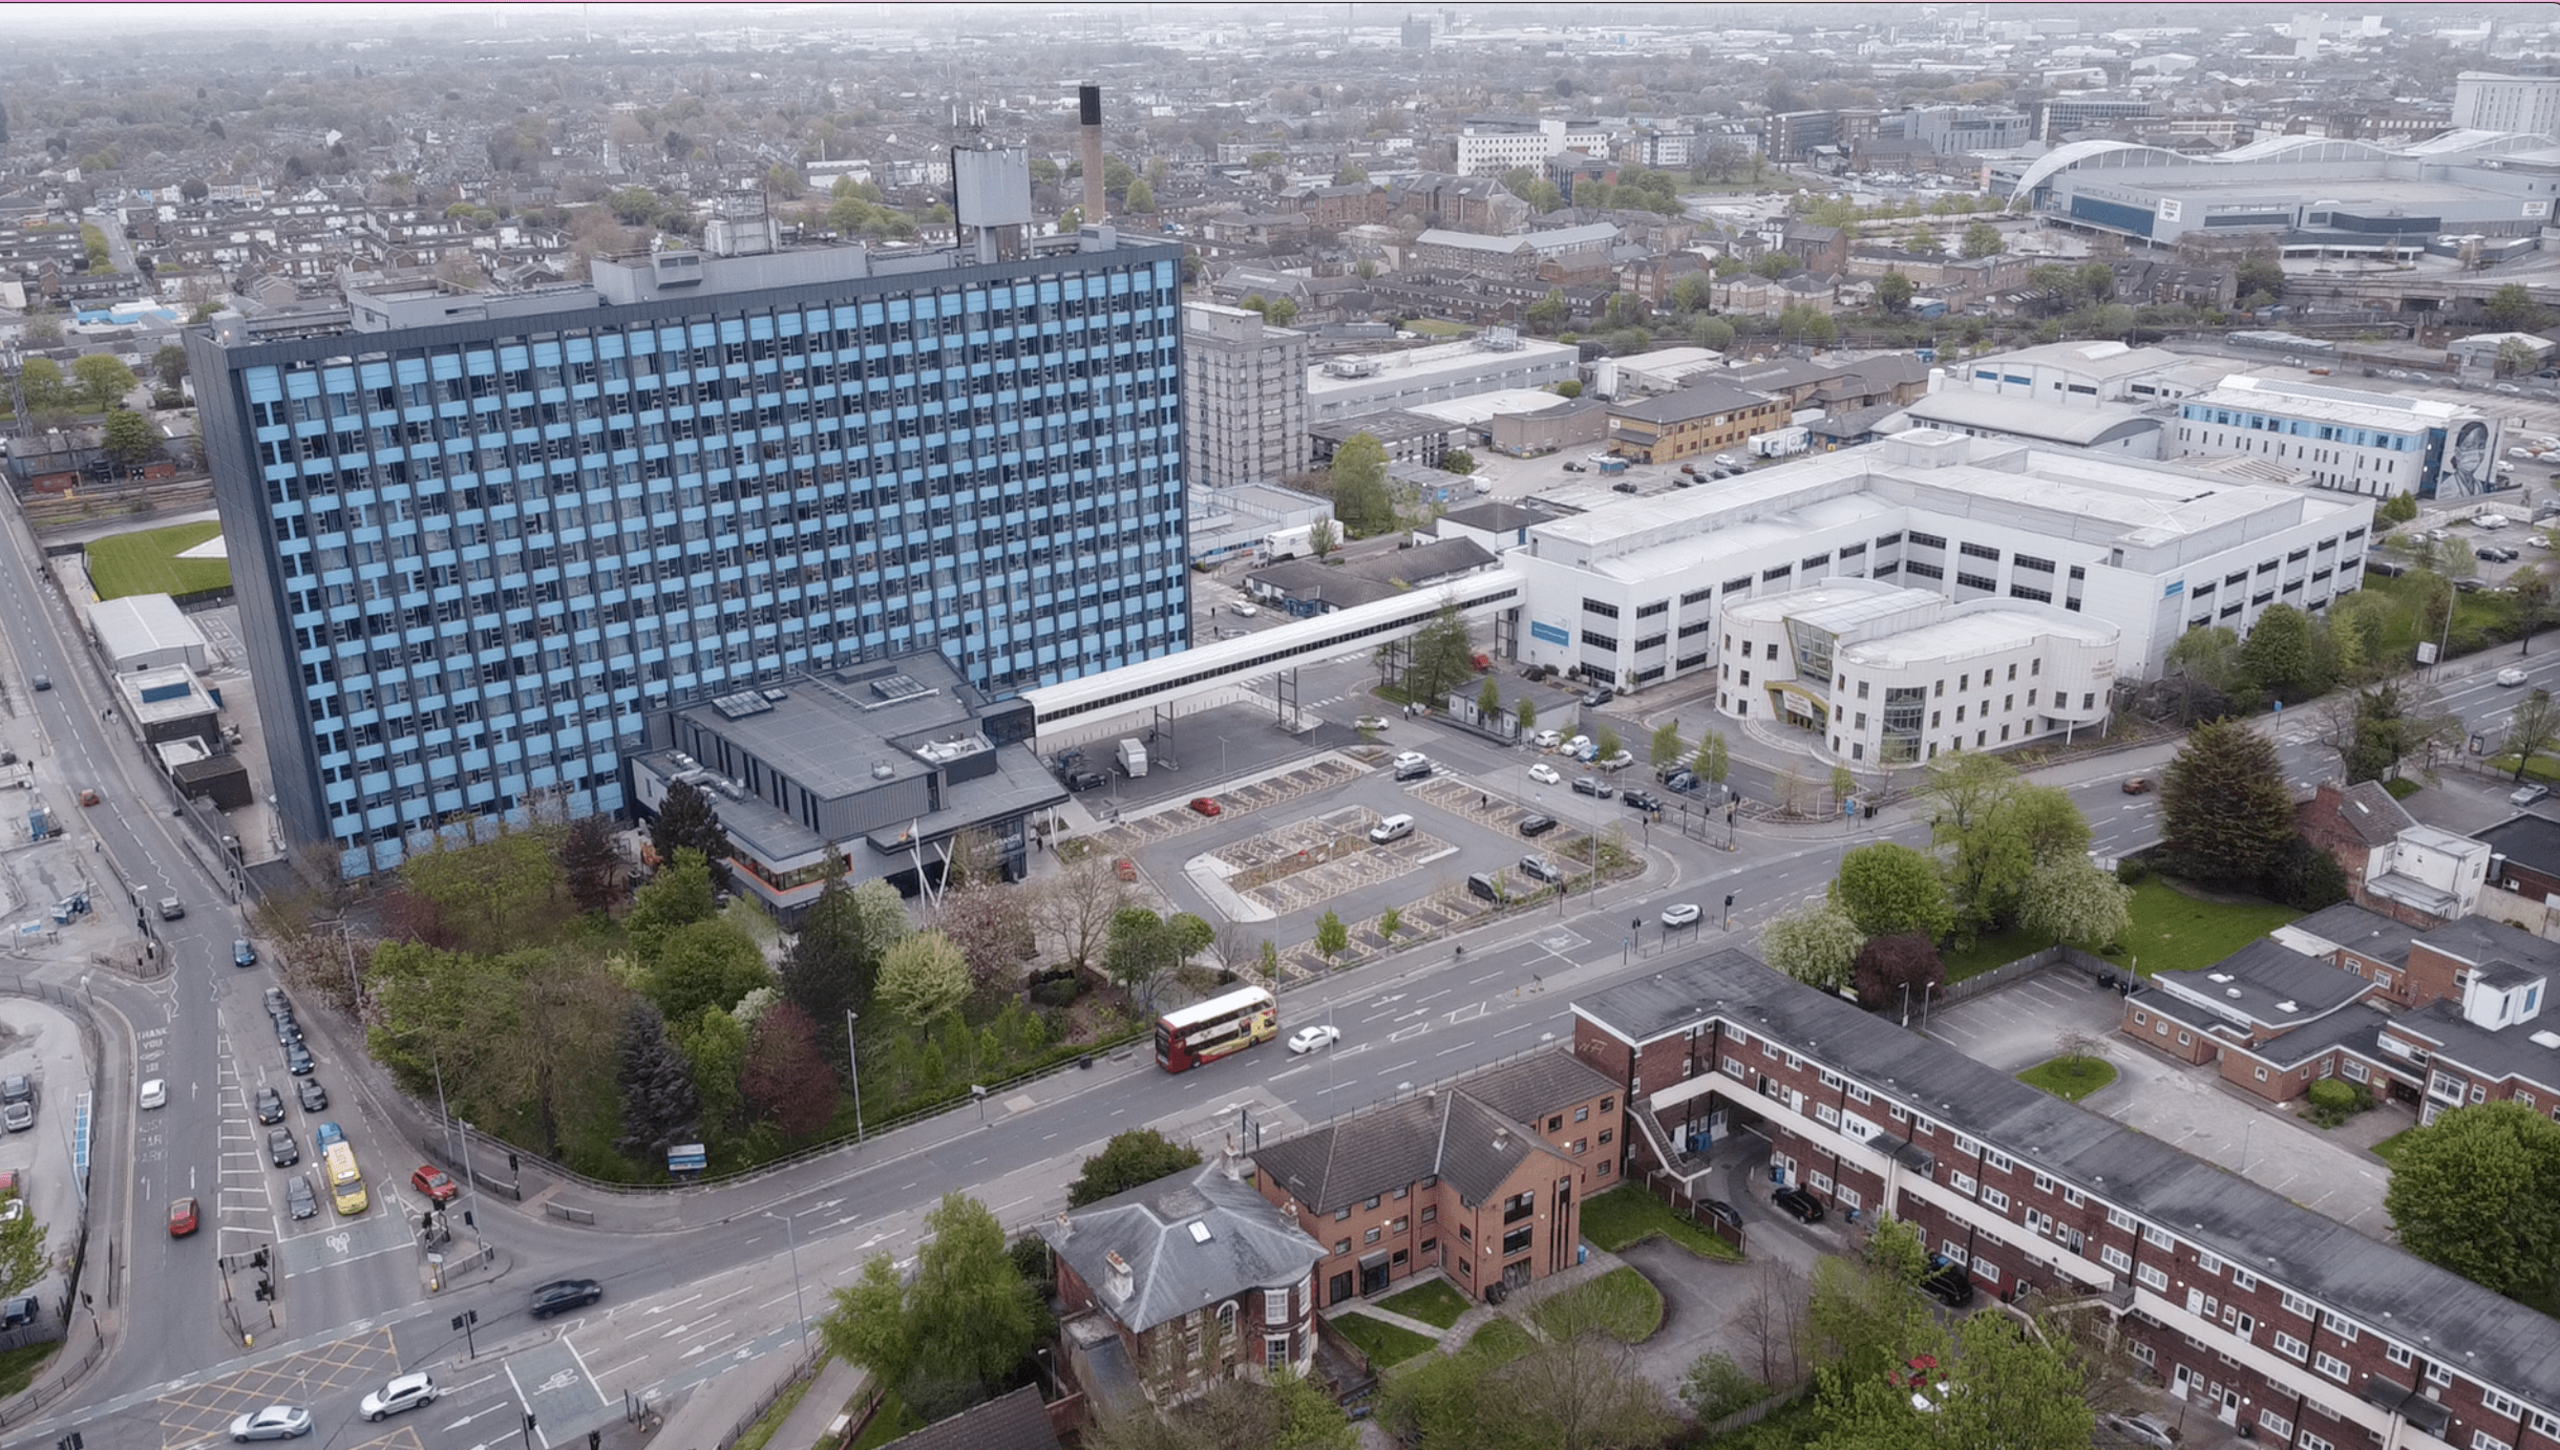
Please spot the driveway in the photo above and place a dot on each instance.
(2189, 1108)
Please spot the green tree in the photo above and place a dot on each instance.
(1893, 292)
(2260, 281)
(1889, 969)
(1350, 176)
(2533, 729)
(1996, 828)
(22, 1258)
(2517, 356)
(2279, 656)
(658, 1102)
(2210, 655)
(706, 964)
(1141, 1155)
(1456, 460)
(129, 437)
(834, 963)
(1667, 745)
(1713, 760)
(102, 381)
(93, 244)
(1569, 388)
(1866, 1315)
(678, 897)
(1885, 888)
(1815, 944)
(2071, 900)
(1332, 937)
(924, 978)
(1141, 198)
(1548, 315)
(2225, 811)
(1982, 239)
(686, 821)
(1442, 656)
(1489, 699)
(1527, 714)
(40, 379)
(951, 1333)
(589, 862)
(2530, 591)
(1605, 742)
(2511, 308)
(169, 365)
(1361, 500)
(1924, 240)
(714, 1045)
(1390, 921)
(2400, 508)
(487, 896)
(2478, 1192)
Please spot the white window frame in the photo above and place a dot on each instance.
(2151, 1277)
(2332, 1366)
(2115, 1258)
(2291, 1348)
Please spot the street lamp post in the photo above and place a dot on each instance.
(791, 1235)
(853, 1063)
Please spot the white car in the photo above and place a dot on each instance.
(1575, 745)
(1410, 760)
(407, 1392)
(1246, 611)
(275, 1422)
(155, 1093)
(1545, 774)
(1369, 722)
(2511, 676)
(1547, 739)
(1308, 1039)
(1680, 914)
(2525, 795)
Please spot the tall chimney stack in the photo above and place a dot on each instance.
(1089, 131)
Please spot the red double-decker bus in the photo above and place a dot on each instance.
(1207, 1031)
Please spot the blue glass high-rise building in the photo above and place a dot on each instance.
(477, 540)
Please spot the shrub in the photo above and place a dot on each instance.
(2133, 870)
(2334, 1100)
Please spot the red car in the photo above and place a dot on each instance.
(182, 1218)
(1205, 806)
(435, 1185)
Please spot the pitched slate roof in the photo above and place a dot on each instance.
(1008, 1422)
(1242, 1243)
(1473, 1135)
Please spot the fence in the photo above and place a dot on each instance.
(2098, 968)
(807, 1367)
(1756, 1413)
(1684, 1203)
(59, 1379)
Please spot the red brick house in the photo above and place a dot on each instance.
(2395, 865)
(1174, 1285)
(1483, 1179)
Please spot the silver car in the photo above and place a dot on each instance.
(275, 1422)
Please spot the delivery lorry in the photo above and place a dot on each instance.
(1132, 755)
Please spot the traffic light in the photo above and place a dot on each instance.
(258, 1260)
(1728, 901)
(266, 1289)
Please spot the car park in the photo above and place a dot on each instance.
(1204, 806)
(1310, 1039)
(407, 1392)
(155, 1093)
(435, 1183)
(1539, 868)
(1592, 785)
(562, 1295)
(275, 1422)
(243, 954)
(1391, 828)
(1680, 914)
(282, 1151)
(299, 1200)
(2525, 795)
(1804, 1206)
(182, 1217)
(2511, 676)
(315, 1098)
(1536, 825)
(269, 1105)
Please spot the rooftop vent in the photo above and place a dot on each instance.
(1199, 1232)
(2288, 1006)
(900, 686)
(741, 705)
(882, 770)
(2232, 992)
(2547, 1039)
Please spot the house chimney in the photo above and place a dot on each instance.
(1066, 1227)
(1122, 1281)
(1089, 132)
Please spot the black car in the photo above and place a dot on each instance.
(562, 1295)
(1569, 468)
(1717, 1208)
(1640, 800)
(297, 1059)
(1948, 1282)
(1600, 696)
(299, 1200)
(270, 1105)
(1087, 780)
(23, 1310)
(1805, 1207)
(1592, 785)
(315, 1098)
(281, 1149)
(1623, 487)
(1536, 825)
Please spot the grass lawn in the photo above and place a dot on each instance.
(2403, 788)
(1500, 1341)
(1624, 1216)
(2388, 1150)
(1385, 1344)
(2172, 932)
(147, 562)
(1432, 1302)
(18, 1367)
(892, 1421)
(1434, 327)
(2070, 1078)
(1621, 1301)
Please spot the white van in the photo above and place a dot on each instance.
(1391, 828)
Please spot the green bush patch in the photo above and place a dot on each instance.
(2388, 1150)
(1500, 1341)
(2403, 788)
(2172, 931)
(1621, 1302)
(1387, 1345)
(1432, 1302)
(147, 562)
(892, 1421)
(1629, 1215)
(2070, 1078)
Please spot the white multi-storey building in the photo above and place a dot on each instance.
(2346, 438)
(1489, 146)
(1347, 387)
(1244, 384)
(2488, 101)
(1636, 592)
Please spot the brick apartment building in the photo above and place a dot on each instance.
(1483, 1179)
(2257, 1311)
(1695, 421)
